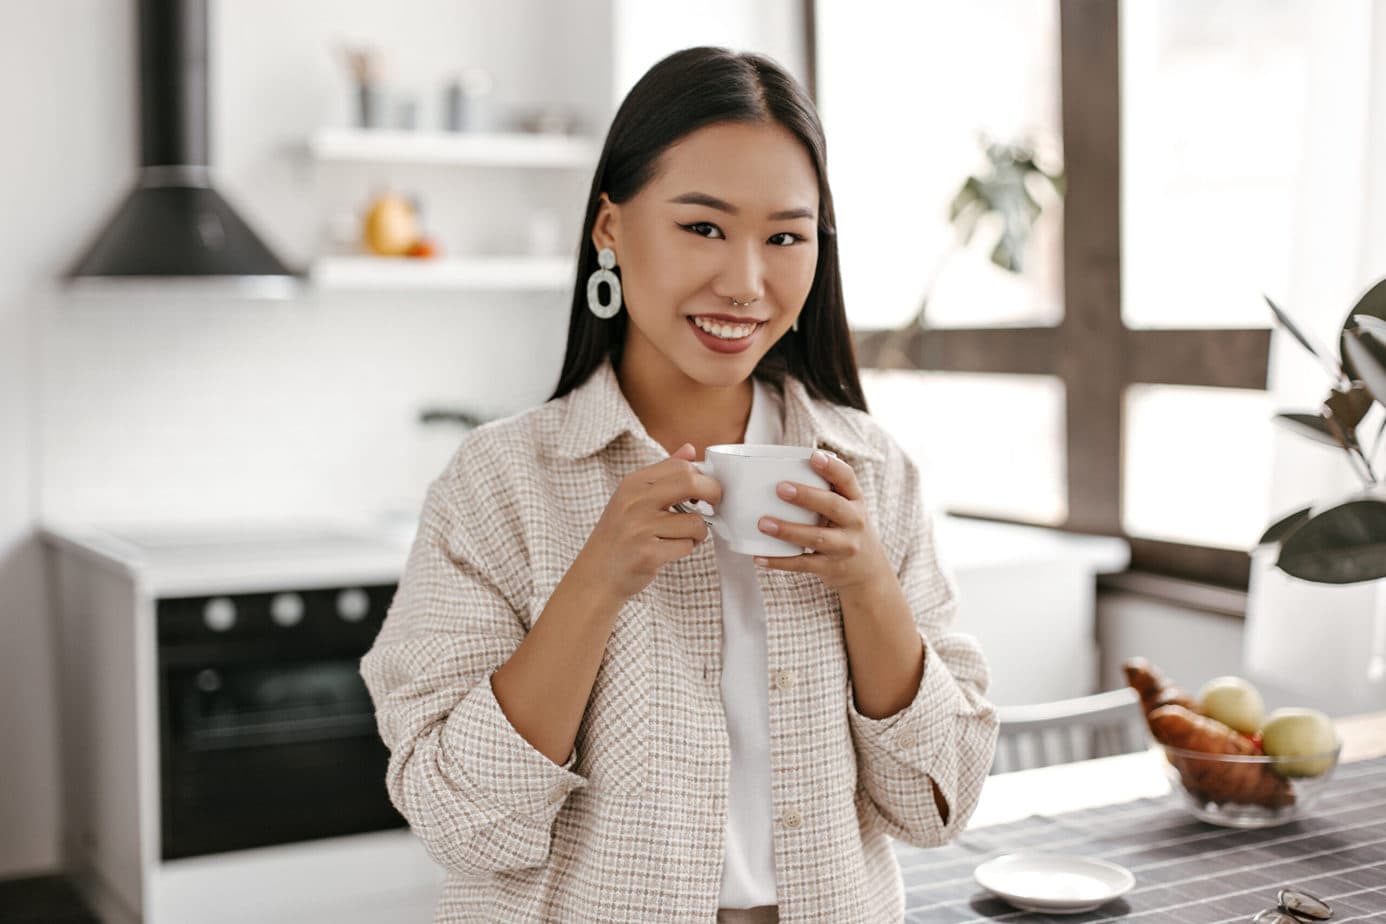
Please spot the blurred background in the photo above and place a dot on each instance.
(1058, 221)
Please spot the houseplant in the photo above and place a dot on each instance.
(1342, 541)
(1003, 201)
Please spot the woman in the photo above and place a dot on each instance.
(595, 715)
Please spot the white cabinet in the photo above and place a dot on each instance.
(1028, 595)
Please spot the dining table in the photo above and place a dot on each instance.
(1121, 809)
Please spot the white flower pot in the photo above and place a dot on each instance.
(1316, 645)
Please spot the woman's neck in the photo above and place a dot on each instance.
(676, 409)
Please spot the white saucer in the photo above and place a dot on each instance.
(1052, 882)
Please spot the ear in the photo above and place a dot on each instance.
(606, 228)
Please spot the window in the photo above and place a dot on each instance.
(912, 151)
(1100, 386)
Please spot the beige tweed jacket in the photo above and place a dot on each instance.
(632, 827)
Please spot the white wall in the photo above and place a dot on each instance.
(58, 177)
(646, 32)
(156, 406)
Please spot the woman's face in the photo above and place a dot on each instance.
(732, 213)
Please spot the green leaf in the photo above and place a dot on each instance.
(1005, 255)
(1372, 304)
(1345, 544)
(1305, 341)
(1310, 425)
(1370, 365)
(1282, 527)
(966, 197)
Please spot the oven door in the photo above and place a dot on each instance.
(270, 754)
(267, 738)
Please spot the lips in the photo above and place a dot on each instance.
(730, 318)
(718, 345)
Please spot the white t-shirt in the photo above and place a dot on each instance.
(748, 874)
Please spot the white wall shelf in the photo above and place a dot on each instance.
(364, 273)
(457, 148)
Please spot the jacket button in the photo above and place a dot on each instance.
(792, 818)
(907, 740)
(784, 679)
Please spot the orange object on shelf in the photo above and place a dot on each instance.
(391, 226)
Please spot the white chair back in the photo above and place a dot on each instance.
(1060, 732)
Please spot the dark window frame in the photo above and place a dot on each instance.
(1091, 351)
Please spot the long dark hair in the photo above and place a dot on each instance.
(686, 91)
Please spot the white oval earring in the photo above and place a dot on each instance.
(607, 258)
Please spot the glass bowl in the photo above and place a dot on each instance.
(1248, 790)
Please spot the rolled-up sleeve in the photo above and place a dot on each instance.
(477, 793)
(946, 736)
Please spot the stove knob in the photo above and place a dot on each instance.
(286, 610)
(353, 605)
(220, 614)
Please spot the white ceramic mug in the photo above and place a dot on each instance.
(749, 473)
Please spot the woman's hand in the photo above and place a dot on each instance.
(637, 533)
(847, 553)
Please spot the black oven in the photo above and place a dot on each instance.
(267, 734)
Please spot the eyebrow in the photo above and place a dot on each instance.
(712, 202)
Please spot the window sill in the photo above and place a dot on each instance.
(1205, 598)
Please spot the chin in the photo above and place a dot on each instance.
(722, 371)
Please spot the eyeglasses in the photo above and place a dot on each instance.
(1295, 906)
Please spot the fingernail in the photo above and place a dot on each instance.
(761, 561)
(786, 490)
(820, 457)
(769, 525)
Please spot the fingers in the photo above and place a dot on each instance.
(838, 473)
(834, 507)
(675, 480)
(680, 526)
(673, 549)
(821, 540)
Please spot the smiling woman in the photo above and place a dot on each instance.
(595, 714)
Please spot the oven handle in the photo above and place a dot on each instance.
(286, 731)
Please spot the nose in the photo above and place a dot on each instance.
(743, 275)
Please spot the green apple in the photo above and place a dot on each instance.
(1232, 701)
(1299, 733)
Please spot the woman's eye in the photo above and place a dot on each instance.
(710, 231)
(697, 227)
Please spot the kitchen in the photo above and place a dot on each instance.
(267, 449)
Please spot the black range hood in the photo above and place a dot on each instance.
(173, 223)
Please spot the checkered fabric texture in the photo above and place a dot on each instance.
(632, 827)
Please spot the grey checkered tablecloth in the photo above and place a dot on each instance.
(1186, 871)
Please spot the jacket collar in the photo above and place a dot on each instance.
(598, 414)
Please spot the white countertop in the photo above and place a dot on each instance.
(194, 559)
(970, 544)
(228, 557)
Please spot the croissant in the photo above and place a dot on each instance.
(1213, 780)
(1154, 688)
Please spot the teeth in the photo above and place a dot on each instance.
(724, 331)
